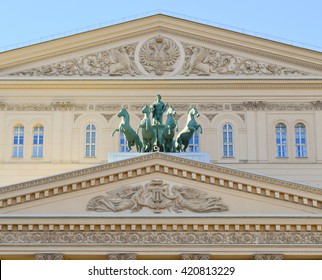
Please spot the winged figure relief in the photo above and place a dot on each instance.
(196, 61)
(158, 197)
(159, 55)
(121, 62)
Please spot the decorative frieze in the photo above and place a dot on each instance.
(210, 107)
(107, 107)
(29, 107)
(160, 238)
(205, 107)
(159, 56)
(157, 196)
(255, 105)
(63, 106)
(113, 62)
(204, 62)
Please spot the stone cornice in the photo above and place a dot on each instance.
(61, 84)
(167, 164)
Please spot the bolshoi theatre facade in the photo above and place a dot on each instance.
(247, 186)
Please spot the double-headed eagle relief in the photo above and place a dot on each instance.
(156, 136)
(157, 196)
(158, 55)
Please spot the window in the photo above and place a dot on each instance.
(193, 146)
(281, 140)
(90, 141)
(228, 140)
(18, 141)
(123, 143)
(300, 140)
(38, 141)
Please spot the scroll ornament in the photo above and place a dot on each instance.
(157, 196)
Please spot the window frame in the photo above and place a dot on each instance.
(194, 143)
(38, 148)
(90, 140)
(227, 136)
(281, 149)
(18, 148)
(299, 145)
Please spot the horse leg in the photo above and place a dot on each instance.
(199, 126)
(185, 145)
(129, 145)
(179, 145)
(116, 130)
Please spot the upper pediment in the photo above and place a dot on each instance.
(159, 184)
(159, 47)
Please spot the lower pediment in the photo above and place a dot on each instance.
(157, 197)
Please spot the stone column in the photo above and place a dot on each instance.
(113, 257)
(268, 257)
(187, 257)
(49, 257)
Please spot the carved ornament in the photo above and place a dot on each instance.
(113, 62)
(162, 238)
(204, 62)
(159, 55)
(157, 196)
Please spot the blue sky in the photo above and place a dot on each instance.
(289, 21)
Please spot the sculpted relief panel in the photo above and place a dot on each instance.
(204, 62)
(114, 62)
(159, 56)
(157, 196)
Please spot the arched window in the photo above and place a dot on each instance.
(193, 146)
(38, 141)
(123, 142)
(281, 140)
(90, 141)
(300, 140)
(228, 140)
(18, 141)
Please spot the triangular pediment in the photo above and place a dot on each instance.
(159, 47)
(160, 185)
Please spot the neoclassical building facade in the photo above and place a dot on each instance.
(257, 195)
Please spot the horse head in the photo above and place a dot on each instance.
(146, 110)
(122, 113)
(193, 112)
(171, 111)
